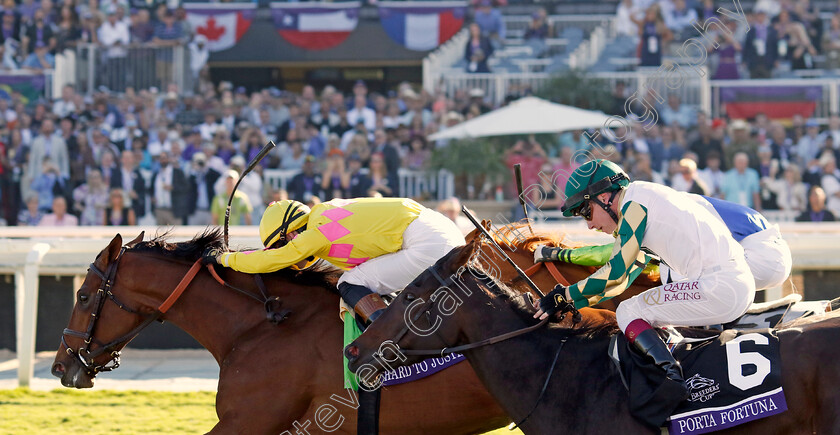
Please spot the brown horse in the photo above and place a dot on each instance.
(271, 378)
(584, 394)
(518, 243)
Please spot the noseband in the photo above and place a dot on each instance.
(85, 355)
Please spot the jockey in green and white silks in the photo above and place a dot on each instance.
(768, 255)
(645, 217)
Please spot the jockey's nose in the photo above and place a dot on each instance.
(351, 352)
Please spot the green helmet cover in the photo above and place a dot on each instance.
(591, 179)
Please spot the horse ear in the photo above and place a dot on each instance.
(136, 240)
(460, 256)
(114, 247)
(486, 224)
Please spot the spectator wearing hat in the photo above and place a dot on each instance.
(741, 141)
(39, 59)
(816, 207)
(307, 184)
(170, 192)
(240, 208)
(335, 181)
(114, 36)
(131, 183)
(478, 50)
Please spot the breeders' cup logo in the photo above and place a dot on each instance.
(683, 291)
(702, 389)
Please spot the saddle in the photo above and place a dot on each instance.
(733, 376)
(773, 313)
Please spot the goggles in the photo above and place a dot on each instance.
(585, 210)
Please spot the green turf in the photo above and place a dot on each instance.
(105, 412)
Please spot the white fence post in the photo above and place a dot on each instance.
(26, 301)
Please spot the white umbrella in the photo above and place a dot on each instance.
(529, 115)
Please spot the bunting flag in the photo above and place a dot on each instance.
(422, 26)
(315, 26)
(777, 102)
(223, 24)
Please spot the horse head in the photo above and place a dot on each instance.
(88, 343)
(426, 314)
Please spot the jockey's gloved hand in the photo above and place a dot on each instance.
(211, 255)
(554, 300)
(547, 253)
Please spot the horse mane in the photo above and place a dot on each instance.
(321, 274)
(589, 326)
(516, 236)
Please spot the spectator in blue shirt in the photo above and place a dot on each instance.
(168, 32)
(40, 58)
(740, 185)
(677, 113)
(490, 22)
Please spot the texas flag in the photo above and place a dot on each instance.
(422, 26)
(222, 23)
(315, 26)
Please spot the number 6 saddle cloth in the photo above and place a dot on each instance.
(732, 378)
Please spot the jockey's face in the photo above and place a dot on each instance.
(601, 220)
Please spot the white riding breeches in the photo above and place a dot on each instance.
(721, 295)
(427, 239)
(768, 257)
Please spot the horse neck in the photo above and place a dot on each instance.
(218, 317)
(514, 370)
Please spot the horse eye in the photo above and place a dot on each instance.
(409, 297)
(83, 298)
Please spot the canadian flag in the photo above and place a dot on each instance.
(222, 24)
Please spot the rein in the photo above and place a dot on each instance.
(426, 308)
(86, 357)
(552, 269)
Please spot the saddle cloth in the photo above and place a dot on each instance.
(400, 375)
(732, 378)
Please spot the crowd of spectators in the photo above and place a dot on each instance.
(783, 35)
(117, 159)
(110, 159)
(761, 163)
(33, 33)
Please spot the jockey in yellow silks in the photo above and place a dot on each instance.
(381, 243)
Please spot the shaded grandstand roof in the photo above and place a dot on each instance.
(368, 45)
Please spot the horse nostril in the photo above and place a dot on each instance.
(352, 352)
(58, 370)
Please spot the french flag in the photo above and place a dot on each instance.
(422, 26)
(315, 27)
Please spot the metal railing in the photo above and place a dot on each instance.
(138, 66)
(516, 25)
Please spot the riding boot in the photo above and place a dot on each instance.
(367, 304)
(649, 343)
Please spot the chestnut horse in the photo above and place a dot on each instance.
(585, 393)
(518, 243)
(271, 378)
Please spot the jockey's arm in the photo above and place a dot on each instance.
(626, 261)
(307, 244)
(584, 256)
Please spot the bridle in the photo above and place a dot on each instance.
(85, 355)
